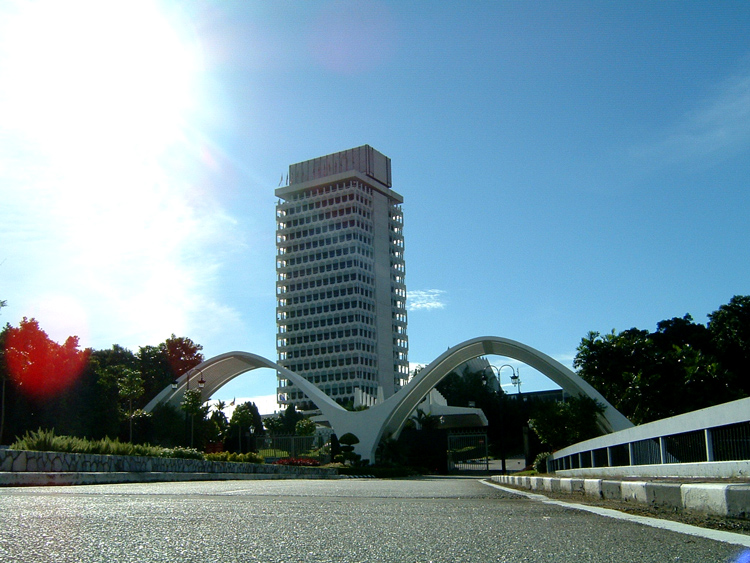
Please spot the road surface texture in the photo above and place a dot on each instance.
(413, 520)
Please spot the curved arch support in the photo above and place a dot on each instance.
(388, 417)
(412, 394)
(220, 370)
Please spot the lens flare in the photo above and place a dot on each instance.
(40, 367)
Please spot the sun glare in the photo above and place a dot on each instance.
(98, 76)
(96, 102)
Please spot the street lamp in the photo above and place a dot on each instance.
(513, 379)
(201, 385)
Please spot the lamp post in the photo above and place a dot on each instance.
(513, 378)
(201, 384)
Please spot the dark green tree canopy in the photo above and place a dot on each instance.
(680, 367)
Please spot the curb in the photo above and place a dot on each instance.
(729, 500)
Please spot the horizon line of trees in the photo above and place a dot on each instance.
(101, 393)
(679, 367)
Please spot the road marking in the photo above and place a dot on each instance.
(679, 527)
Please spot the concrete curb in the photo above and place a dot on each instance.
(732, 500)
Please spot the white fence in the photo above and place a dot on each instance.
(711, 442)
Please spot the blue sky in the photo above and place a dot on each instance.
(565, 166)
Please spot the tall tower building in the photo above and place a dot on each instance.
(341, 309)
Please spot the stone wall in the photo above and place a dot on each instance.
(19, 461)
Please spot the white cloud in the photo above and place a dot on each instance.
(717, 127)
(427, 299)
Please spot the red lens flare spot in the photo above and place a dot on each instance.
(39, 366)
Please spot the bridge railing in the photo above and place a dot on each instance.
(709, 442)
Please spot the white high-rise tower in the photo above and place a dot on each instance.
(341, 310)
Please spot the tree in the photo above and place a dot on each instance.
(348, 441)
(105, 367)
(130, 387)
(3, 377)
(681, 367)
(192, 405)
(285, 422)
(39, 366)
(729, 327)
(245, 417)
(559, 424)
(305, 427)
(182, 354)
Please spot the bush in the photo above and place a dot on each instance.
(182, 453)
(540, 462)
(250, 457)
(298, 461)
(46, 441)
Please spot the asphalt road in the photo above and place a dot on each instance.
(432, 519)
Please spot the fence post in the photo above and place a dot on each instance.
(709, 444)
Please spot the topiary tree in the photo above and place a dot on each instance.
(347, 442)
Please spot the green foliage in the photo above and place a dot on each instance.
(192, 401)
(729, 327)
(561, 424)
(426, 421)
(349, 439)
(347, 455)
(540, 462)
(285, 422)
(250, 457)
(304, 427)
(680, 367)
(47, 441)
(182, 453)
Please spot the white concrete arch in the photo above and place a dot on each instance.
(220, 370)
(388, 417)
(411, 395)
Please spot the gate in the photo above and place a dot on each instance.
(468, 452)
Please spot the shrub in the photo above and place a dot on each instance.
(298, 461)
(183, 453)
(46, 441)
(540, 462)
(250, 457)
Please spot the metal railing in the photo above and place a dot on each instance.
(715, 434)
(273, 448)
(468, 452)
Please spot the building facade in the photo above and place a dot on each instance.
(341, 293)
